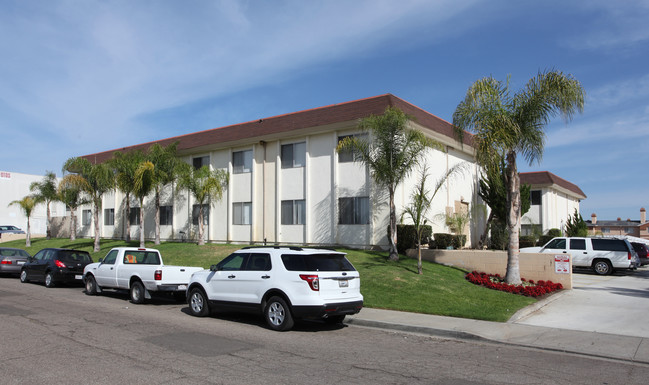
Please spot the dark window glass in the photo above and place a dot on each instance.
(293, 155)
(109, 217)
(578, 244)
(166, 215)
(609, 245)
(110, 257)
(200, 161)
(72, 256)
(242, 162)
(535, 197)
(258, 262)
(242, 213)
(316, 262)
(206, 214)
(86, 216)
(233, 262)
(354, 211)
(293, 212)
(134, 216)
(558, 243)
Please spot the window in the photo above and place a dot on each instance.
(578, 244)
(293, 212)
(206, 215)
(200, 161)
(232, 262)
(241, 213)
(354, 211)
(166, 215)
(293, 155)
(535, 197)
(605, 230)
(557, 244)
(316, 262)
(609, 245)
(85, 217)
(110, 257)
(134, 216)
(258, 262)
(109, 217)
(349, 155)
(242, 161)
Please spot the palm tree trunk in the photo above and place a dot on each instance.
(201, 241)
(513, 275)
(394, 254)
(157, 217)
(49, 221)
(96, 218)
(28, 236)
(128, 217)
(73, 224)
(142, 223)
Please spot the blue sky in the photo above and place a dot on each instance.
(78, 77)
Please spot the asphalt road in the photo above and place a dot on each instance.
(61, 336)
(614, 304)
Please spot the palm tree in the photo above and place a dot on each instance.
(511, 125)
(165, 169)
(45, 192)
(70, 194)
(144, 180)
(391, 155)
(27, 205)
(124, 166)
(93, 179)
(205, 185)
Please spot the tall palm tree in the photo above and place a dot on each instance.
(509, 125)
(124, 166)
(70, 194)
(45, 191)
(391, 154)
(93, 179)
(205, 185)
(165, 169)
(144, 180)
(27, 205)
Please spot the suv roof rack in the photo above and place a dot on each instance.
(294, 248)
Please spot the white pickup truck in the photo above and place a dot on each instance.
(138, 270)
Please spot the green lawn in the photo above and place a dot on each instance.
(440, 290)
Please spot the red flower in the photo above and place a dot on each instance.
(528, 288)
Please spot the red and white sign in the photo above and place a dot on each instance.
(562, 264)
(5, 175)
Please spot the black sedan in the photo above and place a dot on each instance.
(54, 266)
(12, 260)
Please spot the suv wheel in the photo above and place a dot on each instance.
(198, 305)
(602, 267)
(278, 315)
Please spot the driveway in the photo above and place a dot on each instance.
(615, 304)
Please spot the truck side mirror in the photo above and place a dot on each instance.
(101, 260)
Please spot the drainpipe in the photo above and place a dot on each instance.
(263, 193)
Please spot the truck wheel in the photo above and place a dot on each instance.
(198, 305)
(137, 292)
(91, 285)
(49, 279)
(278, 315)
(602, 267)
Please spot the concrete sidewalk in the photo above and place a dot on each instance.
(635, 349)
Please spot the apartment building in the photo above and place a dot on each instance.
(634, 228)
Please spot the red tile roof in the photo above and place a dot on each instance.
(321, 116)
(546, 178)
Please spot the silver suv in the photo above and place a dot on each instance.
(282, 283)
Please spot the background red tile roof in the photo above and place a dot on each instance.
(547, 178)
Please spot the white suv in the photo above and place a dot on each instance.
(282, 283)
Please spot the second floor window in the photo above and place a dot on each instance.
(200, 161)
(242, 162)
(293, 155)
(535, 197)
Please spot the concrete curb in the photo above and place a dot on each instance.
(528, 310)
(445, 333)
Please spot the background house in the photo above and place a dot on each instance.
(553, 201)
(289, 185)
(634, 228)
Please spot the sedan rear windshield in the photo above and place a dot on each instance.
(73, 256)
(316, 262)
(14, 253)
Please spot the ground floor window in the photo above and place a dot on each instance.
(134, 216)
(293, 212)
(242, 213)
(354, 211)
(166, 215)
(109, 217)
(86, 216)
(206, 214)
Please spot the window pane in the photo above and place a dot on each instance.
(346, 211)
(166, 215)
(247, 161)
(237, 162)
(347, 155)
(109, 217)
(535, 197)
(362, 211)
(236, 214)
(247, 213)
(287, 156)
(134, 216)
(299, 154)
(287, 212)
(300, 212)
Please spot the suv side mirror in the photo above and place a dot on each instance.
(214, 268)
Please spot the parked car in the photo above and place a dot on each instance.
(12, 260)
(603, 255)
(8, 229)
(138, 270)
(282, 284)
(643, 252)
(54, 266)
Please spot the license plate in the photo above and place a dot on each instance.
(182, 287)
(20, 263)
(343, 283)
(78, 276)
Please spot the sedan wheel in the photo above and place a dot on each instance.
(23, 276)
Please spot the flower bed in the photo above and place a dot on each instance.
(528, 288)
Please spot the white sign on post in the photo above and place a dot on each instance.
(562, 264)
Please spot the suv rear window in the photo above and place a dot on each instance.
(316, 262)
(610, 245)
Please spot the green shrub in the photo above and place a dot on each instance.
(526, 241)
(458, 241)
(442, 240)
(554, 233)
(407, 236)
(499, 236)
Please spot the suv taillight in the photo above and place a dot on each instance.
(312, 280)
(157, 275)
(59, 263)
(629, 256)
